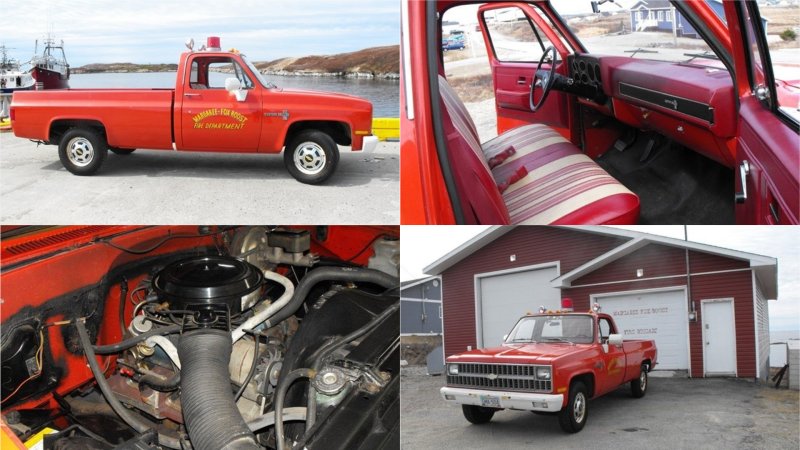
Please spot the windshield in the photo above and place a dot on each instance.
(258, 75)
(573, 329)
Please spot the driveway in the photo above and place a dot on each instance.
(675, 413)
(165, 187)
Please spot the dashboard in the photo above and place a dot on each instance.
(692, 104)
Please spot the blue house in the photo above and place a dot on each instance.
(657, 15)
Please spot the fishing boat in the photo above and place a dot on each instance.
(12, 77)
(50, 69)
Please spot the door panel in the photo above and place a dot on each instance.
(512, 90)
(719, 341)
(612, 373)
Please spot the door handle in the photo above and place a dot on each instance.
(521, 81)
(744, 170)
(191, 95)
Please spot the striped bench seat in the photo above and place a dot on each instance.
(529, 175)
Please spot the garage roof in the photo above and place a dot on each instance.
(765, 267)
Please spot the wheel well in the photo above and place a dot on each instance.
(649, 365)
(587, 379)
(59, 127)
(339, 131)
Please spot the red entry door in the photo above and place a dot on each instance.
(211, 118)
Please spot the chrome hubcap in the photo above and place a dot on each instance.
(579, 407)
(643, 380)
(309, 158)
(80, 151)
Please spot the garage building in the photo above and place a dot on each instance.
(712, 322)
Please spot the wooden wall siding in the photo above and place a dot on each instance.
(531, 245)
(658, 261)
(739, 286)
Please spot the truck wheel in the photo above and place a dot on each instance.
(639, 385)
(311, 157)
(477, 414)
(573, 417)
(82, 151)
(121, 151)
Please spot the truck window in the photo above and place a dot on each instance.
(605, 329)
(575, 329)
(210, 73)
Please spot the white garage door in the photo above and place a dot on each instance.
(661, 316)
(503, 299)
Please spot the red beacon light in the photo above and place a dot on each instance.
(213, 44)
(566, 304)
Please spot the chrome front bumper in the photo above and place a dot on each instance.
(504, 399)
(369, 144)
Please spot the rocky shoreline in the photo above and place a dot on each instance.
(380, 63)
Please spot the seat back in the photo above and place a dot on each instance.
(478, 193)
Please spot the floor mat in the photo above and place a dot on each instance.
(675, 185)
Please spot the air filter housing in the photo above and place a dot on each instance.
(209, 283)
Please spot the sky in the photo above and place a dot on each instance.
(148, 31)
(422, 245)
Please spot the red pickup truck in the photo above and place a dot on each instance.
(205, 112)
(551, 362)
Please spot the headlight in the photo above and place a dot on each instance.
(543, 373)
(452, 369)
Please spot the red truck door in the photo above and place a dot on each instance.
(516, 36)
(610, 368)
(211, 118)
(767, 148)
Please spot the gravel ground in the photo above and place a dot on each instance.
(484, 115)
(675, 413)
(164, 187)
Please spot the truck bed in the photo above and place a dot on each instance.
(141, 118)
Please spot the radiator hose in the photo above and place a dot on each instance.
(210, 414)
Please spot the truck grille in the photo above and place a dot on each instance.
(512, 377)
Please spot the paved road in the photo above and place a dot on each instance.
(162, 187)
(675, 413)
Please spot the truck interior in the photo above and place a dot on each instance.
(608, 117)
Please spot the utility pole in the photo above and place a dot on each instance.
(674, 28)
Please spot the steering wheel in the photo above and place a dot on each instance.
(545, 79)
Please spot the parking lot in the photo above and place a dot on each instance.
(675, 413)
(165, 187)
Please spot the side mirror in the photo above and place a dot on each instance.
(615, 340)
(234, 86)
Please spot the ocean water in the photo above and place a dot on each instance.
(384, 94)
(777, 353)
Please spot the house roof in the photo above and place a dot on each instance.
(765, 267)
(416, 281)
(651, 4)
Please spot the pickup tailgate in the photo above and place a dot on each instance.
(132, 118)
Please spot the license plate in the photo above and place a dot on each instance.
(490, 401)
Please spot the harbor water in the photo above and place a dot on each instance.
(384, 94)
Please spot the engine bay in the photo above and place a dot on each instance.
(229, 337)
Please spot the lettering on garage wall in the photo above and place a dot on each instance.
(640, 312)
(214, 114)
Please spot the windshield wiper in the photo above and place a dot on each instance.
(558, 339)
(706, 54)
(639, 50)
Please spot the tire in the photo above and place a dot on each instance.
(639, 385)
(82, 151)
(477, 414)
(121, 151)
(311, 157)
(573, 417)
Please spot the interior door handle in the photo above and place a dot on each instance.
(744, 170)
(521, 81)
